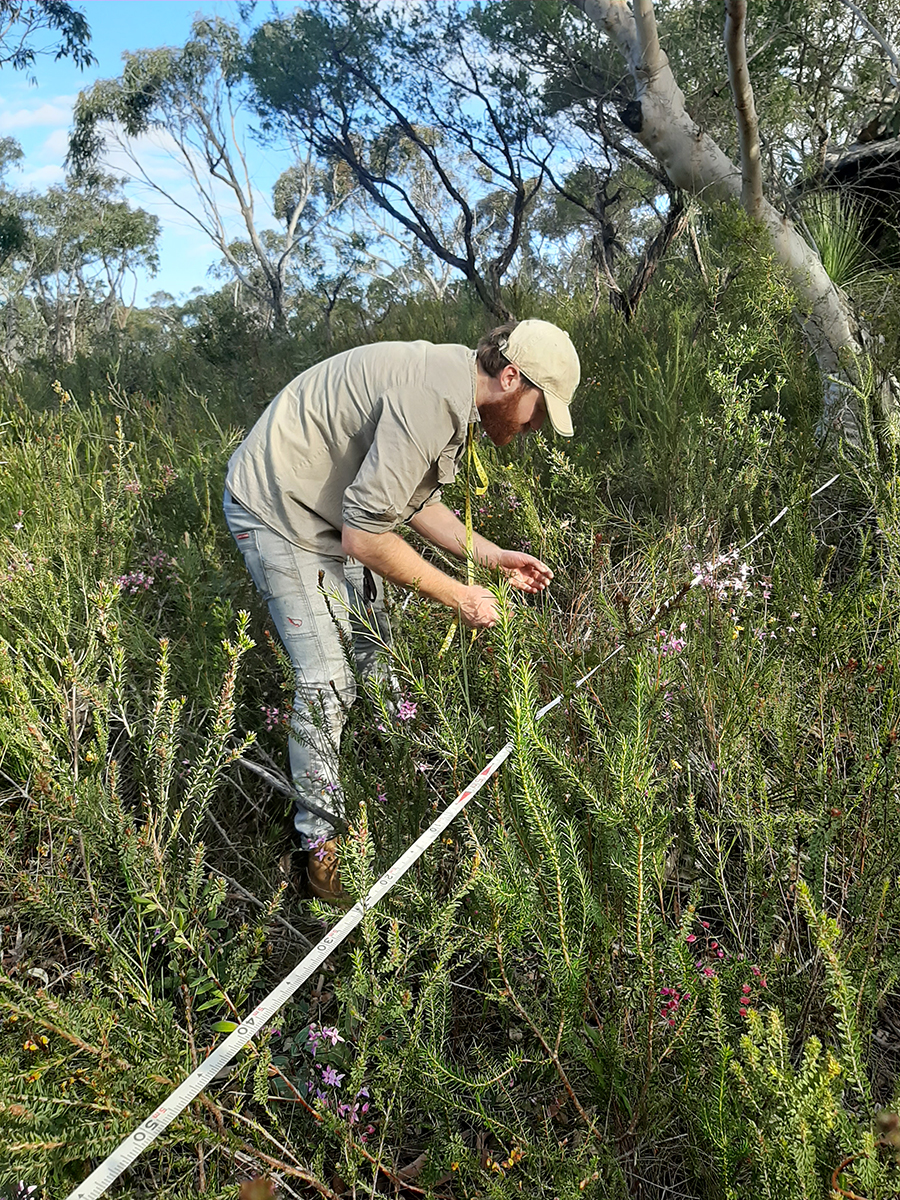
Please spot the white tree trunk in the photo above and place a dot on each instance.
(694, 163)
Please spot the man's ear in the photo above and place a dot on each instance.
(509, 377)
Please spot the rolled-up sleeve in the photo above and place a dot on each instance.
(409, 438)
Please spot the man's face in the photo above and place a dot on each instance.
(520, 410)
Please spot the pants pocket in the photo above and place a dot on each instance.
(248, 543)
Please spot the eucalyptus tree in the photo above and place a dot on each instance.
(687, 116)
(12, 227)
(401, 98)
(22, 22)
(79, 247)
(193, 100)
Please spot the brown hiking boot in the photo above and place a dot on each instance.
(324, 874)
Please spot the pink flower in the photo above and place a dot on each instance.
(318, 847)
(406, 710)
(272, 715)
(691, 937)
(134, 582)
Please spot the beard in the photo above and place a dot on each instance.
(500, 420)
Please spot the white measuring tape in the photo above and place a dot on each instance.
(150, 1128)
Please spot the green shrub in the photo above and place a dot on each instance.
(660, 949)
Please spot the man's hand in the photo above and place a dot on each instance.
(478, 608)
(524, 572)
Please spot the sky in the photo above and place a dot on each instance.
(39, 115)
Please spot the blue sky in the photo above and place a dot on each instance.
(39, 116)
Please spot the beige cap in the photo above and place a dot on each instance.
(545, 355)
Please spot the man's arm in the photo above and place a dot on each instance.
(390, 556)
(438, 525)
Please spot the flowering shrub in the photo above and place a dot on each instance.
(658, 952)
(135, 581)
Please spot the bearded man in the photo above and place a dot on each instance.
(349, 450)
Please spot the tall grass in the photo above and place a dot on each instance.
(659, 952)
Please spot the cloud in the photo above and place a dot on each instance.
(56, 146)
(42, 177)
(58, 112)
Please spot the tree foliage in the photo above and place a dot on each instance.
(400, 98)
(193, 98)
(23, 21)
(70, 254)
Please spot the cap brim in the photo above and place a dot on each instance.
(560, 417)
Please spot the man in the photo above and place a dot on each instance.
(348, 451)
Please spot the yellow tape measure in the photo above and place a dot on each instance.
(473, 465)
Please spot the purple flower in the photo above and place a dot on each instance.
(331, 1077)
(323, 1033)
(674, 645)
(134, 581)
(318, 847)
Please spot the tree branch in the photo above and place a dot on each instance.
(879, 38)
(745, 109)
(648, 37)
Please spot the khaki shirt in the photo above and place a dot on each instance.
(365, 439)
